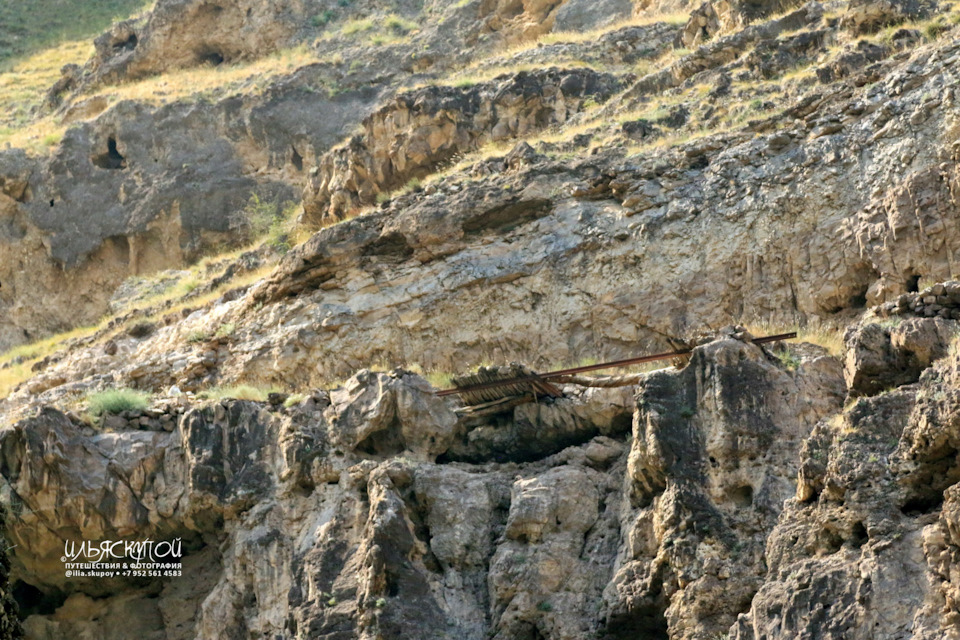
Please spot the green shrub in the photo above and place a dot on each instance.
(788, 360)
(114, 401)
(198, 335)
(294, 399)
(225, 330)
(323, 18)
(259, 215)
(357, 26)
(545, 606)
(398, 25)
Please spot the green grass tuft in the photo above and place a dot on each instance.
(114, 401)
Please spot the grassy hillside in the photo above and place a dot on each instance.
(26, 27)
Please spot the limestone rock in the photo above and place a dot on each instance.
(866, 16)
(584, 15)
(421, 130)
(880, 357)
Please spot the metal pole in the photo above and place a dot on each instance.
(597, 367)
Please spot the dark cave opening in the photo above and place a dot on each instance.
(127, 45)
(112, 159)
(913, 284)
(921, 505)
(33, 601)
(859, 535)
(742, 496)
(297, 160)
(210, 57)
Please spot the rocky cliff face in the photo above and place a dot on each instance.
(594, 196)
(421, 131)
(374, 511)
(733, 495)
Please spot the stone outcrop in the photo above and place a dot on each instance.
(624, 46)
(584, 15)
(348, 514)
(885, 355)
(803, 237)
(706, 478)
(715, 53)
(179, 34)
(717, 17)
(866, 16)
(175, 180)
(421, 130)
(867, 548)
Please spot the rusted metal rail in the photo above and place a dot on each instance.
(545, 377)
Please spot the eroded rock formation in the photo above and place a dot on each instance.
(349, 513)
(420, 131)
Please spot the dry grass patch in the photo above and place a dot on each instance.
(22, 89)
(826, 336)
(240, 77)
(238, 392)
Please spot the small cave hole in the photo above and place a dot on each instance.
(211, 57)
(33, 601)
(111, 159)
(859, 299)
(648, 620)
(126, 45)
(921, 505)
(51, 202)
(384, 443)
(622, 423)
(913, 284)
(742, 496)
(859, 535)
(297, 160)
(393, 590)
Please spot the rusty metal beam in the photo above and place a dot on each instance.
(596, 367)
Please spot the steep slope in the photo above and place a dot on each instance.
(584, 196)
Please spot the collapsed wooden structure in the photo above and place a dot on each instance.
(496, 389)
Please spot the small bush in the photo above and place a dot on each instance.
(399, 26)
(225, 330)
(357, 26)
(323, 18)
(52, 139)
(114, 401)
(545, 606)
(294, 399)
(788, 360)
(198, 335)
